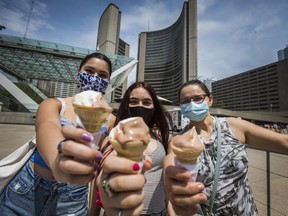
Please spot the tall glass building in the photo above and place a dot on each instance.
(168, 57)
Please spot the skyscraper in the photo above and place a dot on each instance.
(109, 41)
(168, 57)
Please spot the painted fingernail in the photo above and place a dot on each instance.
(87, 137)
(99, 156)
(136, 167)
(145, 179)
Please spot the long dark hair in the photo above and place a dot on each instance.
(97, 55)
(161, 119)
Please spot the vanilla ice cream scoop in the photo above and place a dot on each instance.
(130, 138)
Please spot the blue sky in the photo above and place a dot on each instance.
(233, 35)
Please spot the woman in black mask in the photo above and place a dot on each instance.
(140, 100)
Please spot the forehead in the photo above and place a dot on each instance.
(140, 92)
(191, 90)
(97, 64)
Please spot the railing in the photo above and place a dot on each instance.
(268, 178)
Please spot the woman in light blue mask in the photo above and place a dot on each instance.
(40, 187)
(233, 194)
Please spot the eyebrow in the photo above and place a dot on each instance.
(95, 70)
(145, 99)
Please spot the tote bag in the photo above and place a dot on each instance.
(10, 165)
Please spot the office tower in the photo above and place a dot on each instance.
(168, 57)
(109, 41)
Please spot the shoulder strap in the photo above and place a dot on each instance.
(217, 169)
(63, 106)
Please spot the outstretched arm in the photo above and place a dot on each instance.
(76, 164)
(258, 137)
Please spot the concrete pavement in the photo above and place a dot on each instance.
(13, 135)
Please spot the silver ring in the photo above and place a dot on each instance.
(106, 186)
(59, 147)
(120, 212)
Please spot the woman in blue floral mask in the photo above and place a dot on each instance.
(94, 73)
(41, 184)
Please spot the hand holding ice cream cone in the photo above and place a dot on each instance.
(187, 148)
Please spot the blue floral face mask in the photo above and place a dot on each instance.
(91, 82)
(195, 112)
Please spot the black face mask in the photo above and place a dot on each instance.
(139, 111)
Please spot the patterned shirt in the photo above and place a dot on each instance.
(234, 195)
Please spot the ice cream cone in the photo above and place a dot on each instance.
(132, 150)
(92, 109)
(185, 155)
(188, 147)
(130, 138)
(92, 118)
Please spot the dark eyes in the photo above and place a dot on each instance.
(101, 74)
(137, 102)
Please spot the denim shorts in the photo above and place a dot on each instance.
(29, 194)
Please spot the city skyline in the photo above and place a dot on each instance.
(233, 36)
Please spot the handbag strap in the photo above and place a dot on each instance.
(217, 168)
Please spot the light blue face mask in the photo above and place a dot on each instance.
(195, 112)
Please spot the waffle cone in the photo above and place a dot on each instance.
(132, 150)
(91, 117)
(188, 156)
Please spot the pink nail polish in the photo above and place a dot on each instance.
(136, 167)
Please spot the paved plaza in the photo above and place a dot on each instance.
(13, 135)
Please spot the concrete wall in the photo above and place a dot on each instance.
(17, 118)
